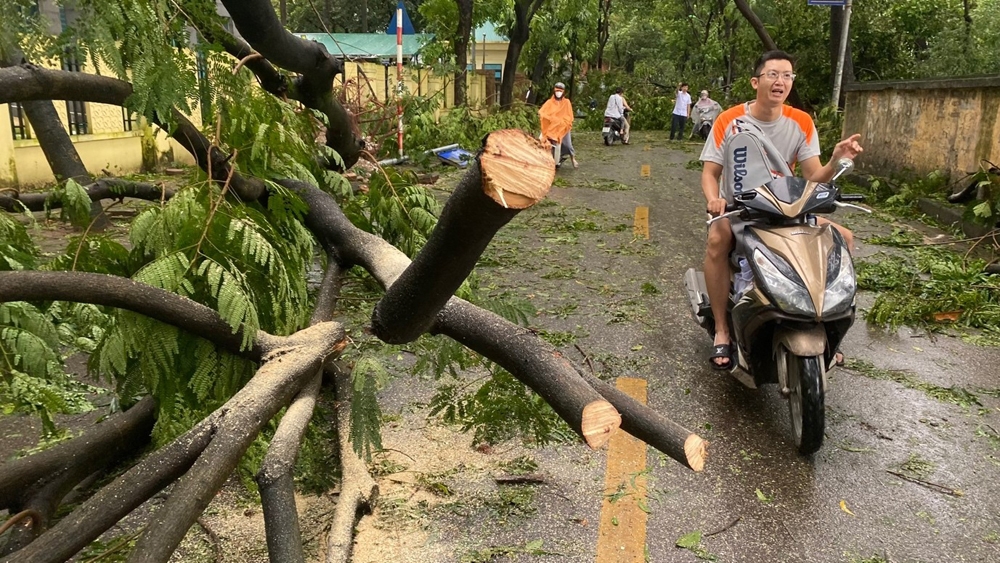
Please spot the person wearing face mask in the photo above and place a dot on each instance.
(704, 113)
(556, 116)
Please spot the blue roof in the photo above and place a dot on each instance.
(368, 45)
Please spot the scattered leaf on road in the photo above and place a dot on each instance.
(690, 540)
(843, 506)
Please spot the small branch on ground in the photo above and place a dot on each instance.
(724, 528)
(927, 484)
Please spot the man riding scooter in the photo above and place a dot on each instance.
(794, 135)
(617, 106)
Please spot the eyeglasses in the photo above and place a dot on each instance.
(774, 75)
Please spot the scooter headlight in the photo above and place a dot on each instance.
(841, 284)
(790, 295)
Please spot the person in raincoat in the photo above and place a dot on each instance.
(705, 111)
(556, 116)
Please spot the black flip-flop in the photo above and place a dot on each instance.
(722, 351)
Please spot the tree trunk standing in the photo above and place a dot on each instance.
(765, 38)
(462, 49)
(59, 151)
(364, 16)
(603, 29)
(967, 16)
(524, 10)
(537, 74)
(284, 12)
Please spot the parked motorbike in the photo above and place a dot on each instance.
(793, 296)
(612, 130)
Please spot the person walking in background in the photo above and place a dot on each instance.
(556, 116)
(682, 110)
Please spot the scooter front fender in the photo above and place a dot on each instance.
(808, 342)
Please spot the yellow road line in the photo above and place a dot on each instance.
(641, 224)
(621, 536)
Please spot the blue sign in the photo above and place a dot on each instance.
(842, 3)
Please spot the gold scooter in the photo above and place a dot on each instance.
(793, 296)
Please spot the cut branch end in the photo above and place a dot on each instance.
(517, 169)
(600, 419)
(696, 451)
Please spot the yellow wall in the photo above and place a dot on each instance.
(927, 125)
(496, 53)
(107, 146)
(417, 82)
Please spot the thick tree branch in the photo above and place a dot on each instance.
(20, 477)
(92, 88)
(358, 491)
(531, 360)
(103, 188)
(651, 427)
(114, 291)
(117, 500)
(285, 371)
(513, 172)
(41, 481)
(260, 26)
(275, 480)
(29, 82)
(247, 188)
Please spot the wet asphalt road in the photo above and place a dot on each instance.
(841, 505)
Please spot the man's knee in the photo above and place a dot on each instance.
(720, 242)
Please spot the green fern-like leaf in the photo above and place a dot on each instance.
(368, 376)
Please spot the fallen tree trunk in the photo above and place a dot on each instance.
(103, 188)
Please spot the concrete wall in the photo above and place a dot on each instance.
(925, 125)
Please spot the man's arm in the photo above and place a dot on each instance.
(814, 171)
(710, 174)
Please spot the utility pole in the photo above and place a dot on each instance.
(839, 76)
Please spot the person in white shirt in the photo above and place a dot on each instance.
(616, 110)
(682, 111)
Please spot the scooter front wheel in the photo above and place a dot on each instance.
(805, 400)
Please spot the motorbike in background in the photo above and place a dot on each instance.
(612, 129)
(705, 118)
(793, 295)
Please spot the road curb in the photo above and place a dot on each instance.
(951, 215)
(948, 214)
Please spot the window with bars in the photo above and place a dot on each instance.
(18, 121)
(76, 111)
(128, 120)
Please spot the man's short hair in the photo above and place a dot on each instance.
(683, 84)
(619, 90)
(775, 55)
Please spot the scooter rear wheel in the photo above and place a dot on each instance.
(805, 400)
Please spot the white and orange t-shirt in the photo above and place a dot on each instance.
(793, 134)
